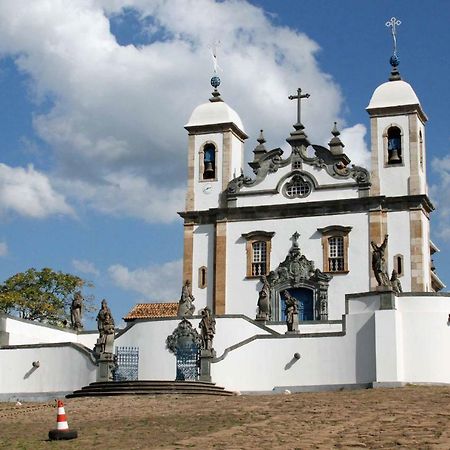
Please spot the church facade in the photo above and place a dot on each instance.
(318, 272)
(307, 220)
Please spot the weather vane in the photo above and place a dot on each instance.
(393, 23)
(215, 80)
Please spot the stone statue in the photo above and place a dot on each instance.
(264, 308)
(395, 282)
(207, 329)
(379, 263)
(291, 311)
(75, 311)
(185, 305)
(105, 324)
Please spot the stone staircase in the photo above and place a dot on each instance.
(148, 387)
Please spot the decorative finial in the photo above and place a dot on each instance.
(215, 80)
(261, 139)
(335, 132)
(260, 149)
(394, 60)
(295, 237)
(336, 145)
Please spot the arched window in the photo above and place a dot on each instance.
(394, 145)
(202, 277)
(209, 162)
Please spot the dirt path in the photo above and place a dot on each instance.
(411, 417)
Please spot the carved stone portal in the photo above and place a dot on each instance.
(296, 271)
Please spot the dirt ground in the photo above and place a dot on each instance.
(414, 417)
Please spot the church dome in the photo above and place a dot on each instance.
(212, 113)
(393, 93)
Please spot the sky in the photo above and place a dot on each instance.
(94, 95)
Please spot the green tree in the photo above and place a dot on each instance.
(44, 296)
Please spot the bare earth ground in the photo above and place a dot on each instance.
(414, 417)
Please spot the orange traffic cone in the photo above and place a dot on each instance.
(62, 428)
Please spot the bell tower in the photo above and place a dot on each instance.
(398, 177)
(215, 157)
(397, 124)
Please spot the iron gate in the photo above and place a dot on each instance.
(188, 362)
(127, 364)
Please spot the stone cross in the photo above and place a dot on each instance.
(299, 97)
(393, 23)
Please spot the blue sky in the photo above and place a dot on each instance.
(94, 96)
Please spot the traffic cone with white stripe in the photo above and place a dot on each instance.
(62, 427)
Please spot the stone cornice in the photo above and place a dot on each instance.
(309, 209)
(217, 128)
(398, 111)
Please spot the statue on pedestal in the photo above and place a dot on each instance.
(264, 309)
(379, 263)
(207, 329)
(105, 325)
(291, 312)
(185, 305)
(75, 311)
(395, 282)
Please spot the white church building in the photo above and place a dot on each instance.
(311, 223)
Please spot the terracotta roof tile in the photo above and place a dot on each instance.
(152, 311)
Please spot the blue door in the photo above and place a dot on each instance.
(305, 304)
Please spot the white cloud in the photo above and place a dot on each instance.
(29, 193)
(439, 195)
(84, 266)
(3, 248)
(355, 145)
(116, 115)
(156, 283)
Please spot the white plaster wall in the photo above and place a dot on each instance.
(210, 199)
(27, 332)
(426, 252)
(237, 156)
(157, 363)
(315, 196)
(242, 293)
(394, 179)
(398, 225)
(62, 369)
(264, 364)
(308, 328)
(203, 255)
(426, 338)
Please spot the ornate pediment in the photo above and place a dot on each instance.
(296, 269)
(183, 336)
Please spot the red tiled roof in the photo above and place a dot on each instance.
(152, 311)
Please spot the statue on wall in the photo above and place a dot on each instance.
(264, 308)
(291, 311)
(75, 311)
(105, 325)
(207, 329)
(379, 263)
(185, 305)
(395, 282)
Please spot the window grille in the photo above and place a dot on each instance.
(297, 187)
(259, 258)
(296, 165)
(336, 254)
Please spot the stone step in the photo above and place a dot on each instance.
(148, 387)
